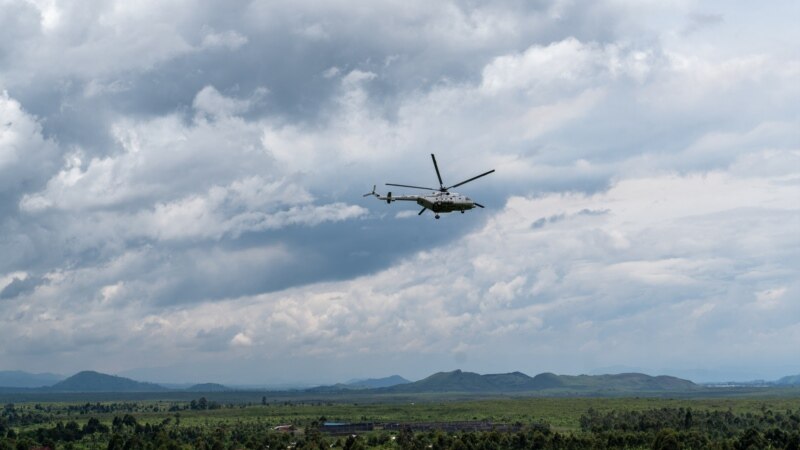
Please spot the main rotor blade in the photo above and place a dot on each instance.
(436, 166)
(423, 210)
(478, 204)
(471, 179)
(413, 187)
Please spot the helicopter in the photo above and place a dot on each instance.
(439, 201)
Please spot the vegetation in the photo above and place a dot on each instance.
(548, 423)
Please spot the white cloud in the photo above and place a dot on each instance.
(230, 40)
(645, 209)
(161, 159)
(450, 297)
(25, 154)
(109, 292)
(331, 72)
(405, 214)
(9, 278)
(211, 102)
(770, 298)
(241, 340)
(314, 32)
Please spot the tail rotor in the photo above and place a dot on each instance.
(374, 186)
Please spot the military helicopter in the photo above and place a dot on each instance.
(440, 200)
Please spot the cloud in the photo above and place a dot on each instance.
(230, 40)
(197, 169)
(18, 285)
(209, 101)
(25, 154)
(612, 271)
(561, 65)
(241, 340)
(700, 21)
(233, 210)
(127, 196)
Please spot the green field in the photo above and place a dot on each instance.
(560, 413)
(174, 419)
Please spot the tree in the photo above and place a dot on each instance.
(751, 439)
(116, 443)
(353, 442)
(25, 444)
(94, 426)
(666, 440)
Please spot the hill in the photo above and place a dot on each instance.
(455, 381)
(90, 381)
(459, 381)
(791, 380)
(20, 379)
(365, 384)
(208, 387)
(374, 383)
(627, 382)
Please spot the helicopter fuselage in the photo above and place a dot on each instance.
(445, 202)
(438, 202)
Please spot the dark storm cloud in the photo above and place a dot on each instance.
(286, 50)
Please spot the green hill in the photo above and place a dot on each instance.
(627, 382)
(514, 381)
(90, 381)
(455, 381)
(547, 380)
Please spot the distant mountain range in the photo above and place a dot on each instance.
(20, 379)
(369, 383)
(459, 381)
(455, 381)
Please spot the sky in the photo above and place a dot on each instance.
(181, 188)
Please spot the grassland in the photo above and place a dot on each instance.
(240, 420)
(562, 413)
